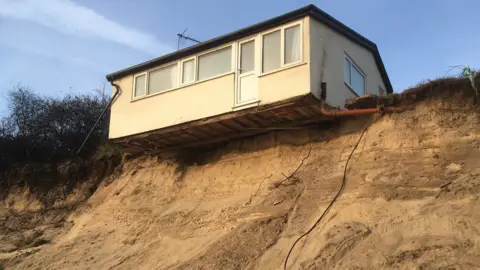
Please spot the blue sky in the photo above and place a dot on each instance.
(68, 46)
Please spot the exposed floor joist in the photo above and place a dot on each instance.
(288, 113)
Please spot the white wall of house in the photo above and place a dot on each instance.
(215, 81)
(328, 50)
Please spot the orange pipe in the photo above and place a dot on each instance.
(329, 112)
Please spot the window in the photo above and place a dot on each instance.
(247, 56)
(271, 51)
(188, 71)
(347, 71)
(215, 63)
(162, 79)
(292, 44)
(140, 88)
(354, 77)
(275, 54)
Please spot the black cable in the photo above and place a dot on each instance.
(342, 187)
(298, 167)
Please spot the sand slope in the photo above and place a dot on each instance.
(411, 201)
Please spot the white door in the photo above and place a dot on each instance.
(247, 86)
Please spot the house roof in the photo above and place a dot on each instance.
(310, 10)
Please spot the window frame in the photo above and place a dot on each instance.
(381, 91)
(155, 69)
(352, 63)
(282, 47)
(135, 82)
(238, 54)
(301, 44)
(263, 55)
(232, 62)
(181, 83)
(179, 63)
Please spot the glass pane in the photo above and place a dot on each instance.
(358, 81)
(187, 75)
(215, 63)
(347, 71)
(292, 44)
(271, 51)
(140, 86)
(162, 79)
(247, 56)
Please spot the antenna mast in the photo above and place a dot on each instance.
(182, 35)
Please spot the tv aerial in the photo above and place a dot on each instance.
(182, 35)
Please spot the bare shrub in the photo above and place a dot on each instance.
(41, 130)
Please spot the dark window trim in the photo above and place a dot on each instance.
(353, 65)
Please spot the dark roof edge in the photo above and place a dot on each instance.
(310, 10)
(336, 25)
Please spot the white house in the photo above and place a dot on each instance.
(265, 75)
